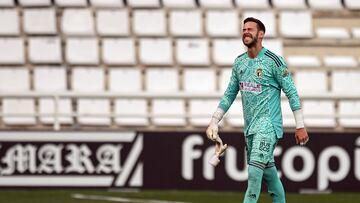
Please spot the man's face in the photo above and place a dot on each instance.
(250, 34)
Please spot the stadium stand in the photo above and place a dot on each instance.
(165, 63)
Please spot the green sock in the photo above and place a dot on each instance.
(254, 183)
(274, 185)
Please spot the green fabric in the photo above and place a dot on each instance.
(260, 81)
(254, 184)
(274, 185)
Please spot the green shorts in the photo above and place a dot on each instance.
(260, 146)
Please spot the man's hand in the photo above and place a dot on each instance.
(212, 131)
(301, 136)
(220, 148)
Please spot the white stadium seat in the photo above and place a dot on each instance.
(355, 31)
(224, 79)
(301, 29)
(9, 21)
(118, 51)
(179, 3)
(40, 21)
(44, 50)
(156, 51)
(274, 45)
(82, 51)
(71, 3)
(340, 61)
(52, 79)
(216, 3)
(131, 112)
(311, 82)
(88, 79)
(199, 80)
(192, 52)
(112, 22)
(201, 110)
(253, 4)
(107, 3)
(8, 3)
(77, 22)
(225, 51)
(34, 2)
(168, 112)
(14, 79)
(319, 113)
(162, 80)
(325, 4)
(222, 23)
(287, 113)
(149, 22)
(93, 111)
(352, 4)
(143, 4)
(345, 82)
(299, 61)
(349, 112)
(12, 51)
(185, 23)
(125, 80)
(267, 17)
(286, 4)
(332, 33)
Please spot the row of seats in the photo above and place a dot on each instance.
(179, 23)
(243, 4)
(148, 51)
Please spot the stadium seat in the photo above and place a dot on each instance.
(107, 3)
(349, 112)
(40, 21)
(14, 79)
(199, 80)
(355, 32)
(143, 4)
(201, 110)
(77, 22)
(168, 112)
(156, 51)
(179, 3)
(131, 112)
(311, 82)
(30, 3)
(301, 29)
(112, 47)
(345, 82)
(162, 80)
(352, 4)
(12, 51)
(9, 20)
(192, 52)
(185, 23)
(87, 79)
(332, 33)
(287, 113)
(235, 114)
(225, 51)
(267, 17)
(221, 23)
(8, 3)
(286, 4)
(274, 45)
(319, 113)
(216, 3)
(325, 4)
(252, 4)
(224, 79)
(71, 3)
(52, 79)
(299, 61)
(149, 22)
(340, 61)
(125, 80)
(82, 51)
(44, 50)
(112, 22)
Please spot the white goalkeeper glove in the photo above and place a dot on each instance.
(213, 128)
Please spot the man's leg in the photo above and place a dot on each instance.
(255, 171)
(273, 182)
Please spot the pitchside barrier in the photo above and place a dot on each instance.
(170, 160)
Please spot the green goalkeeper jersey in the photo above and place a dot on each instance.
(260, 81)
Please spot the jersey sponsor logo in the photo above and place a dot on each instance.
(250, 87)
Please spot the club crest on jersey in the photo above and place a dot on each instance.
(250, 87)
(259, 72)
(285, 73)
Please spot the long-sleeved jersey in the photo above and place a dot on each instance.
(260, 81)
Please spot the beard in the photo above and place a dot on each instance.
(253, 42)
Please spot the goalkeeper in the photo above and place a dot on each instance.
(260, 75)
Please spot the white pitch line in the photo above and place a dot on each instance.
(120, 199)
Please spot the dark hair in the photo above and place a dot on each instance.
(260, 25)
